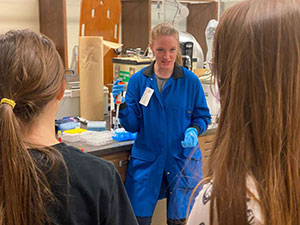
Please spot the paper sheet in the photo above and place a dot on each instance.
(108, 45)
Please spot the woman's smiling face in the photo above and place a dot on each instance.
(165, 51)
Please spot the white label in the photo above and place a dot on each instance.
(146, 96)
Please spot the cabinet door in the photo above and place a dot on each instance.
(206, 143)
(136, 23)
(53, 24)
(120, 160)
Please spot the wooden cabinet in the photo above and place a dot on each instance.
(136, 23)
(52, 15)
(102, 18)
(120, 160)
(200, 14)
(206, 142)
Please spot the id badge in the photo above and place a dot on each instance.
(146, 96)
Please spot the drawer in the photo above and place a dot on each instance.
(206, 152)
(206, 144)
(120, 160)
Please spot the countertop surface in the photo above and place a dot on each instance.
(99, 150)
(112, 146)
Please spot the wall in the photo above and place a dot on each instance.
(171, 12)
(19, 14)
(23, 14)
(227, 4)
(73, 16)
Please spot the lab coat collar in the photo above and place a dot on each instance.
(177, 72)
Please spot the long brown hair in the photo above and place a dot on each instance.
(257, 66)
(31, 74)
(166, 29)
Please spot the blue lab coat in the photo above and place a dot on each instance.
(157, 165)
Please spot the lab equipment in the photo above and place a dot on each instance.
(81, 120)
(70, 122)
(190, 138)
(76, 130)
(59, 136)
(119, 100)
(209, 35)
(112, 114)
(197, 55)
(96, 125)
(105, 93)
(96, 138)
(187, 54)
(121, 134)
(70, 103)
(125, 67)
(117, 89)
(72, 135)
(211, 91)
(74, 61)
(159, 10)
(181, 11)
(68, 125)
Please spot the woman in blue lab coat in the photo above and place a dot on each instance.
(165, 104)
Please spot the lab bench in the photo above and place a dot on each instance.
(116, 152)
(119, 152)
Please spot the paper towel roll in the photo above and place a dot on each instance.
(91, 77)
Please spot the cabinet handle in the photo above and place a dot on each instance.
(123, 163)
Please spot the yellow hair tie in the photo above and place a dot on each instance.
(8, 101)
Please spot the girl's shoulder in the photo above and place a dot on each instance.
(201, 210)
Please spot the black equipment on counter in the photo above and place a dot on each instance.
(187, 54)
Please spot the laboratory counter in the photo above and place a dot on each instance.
(119, 152)
(116, 152)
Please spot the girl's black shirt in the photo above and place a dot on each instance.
(95, 195)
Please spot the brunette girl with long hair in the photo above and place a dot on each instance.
(43, 181)
(254, 168)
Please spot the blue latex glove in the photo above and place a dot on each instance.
(190, 138)
(117, 89)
